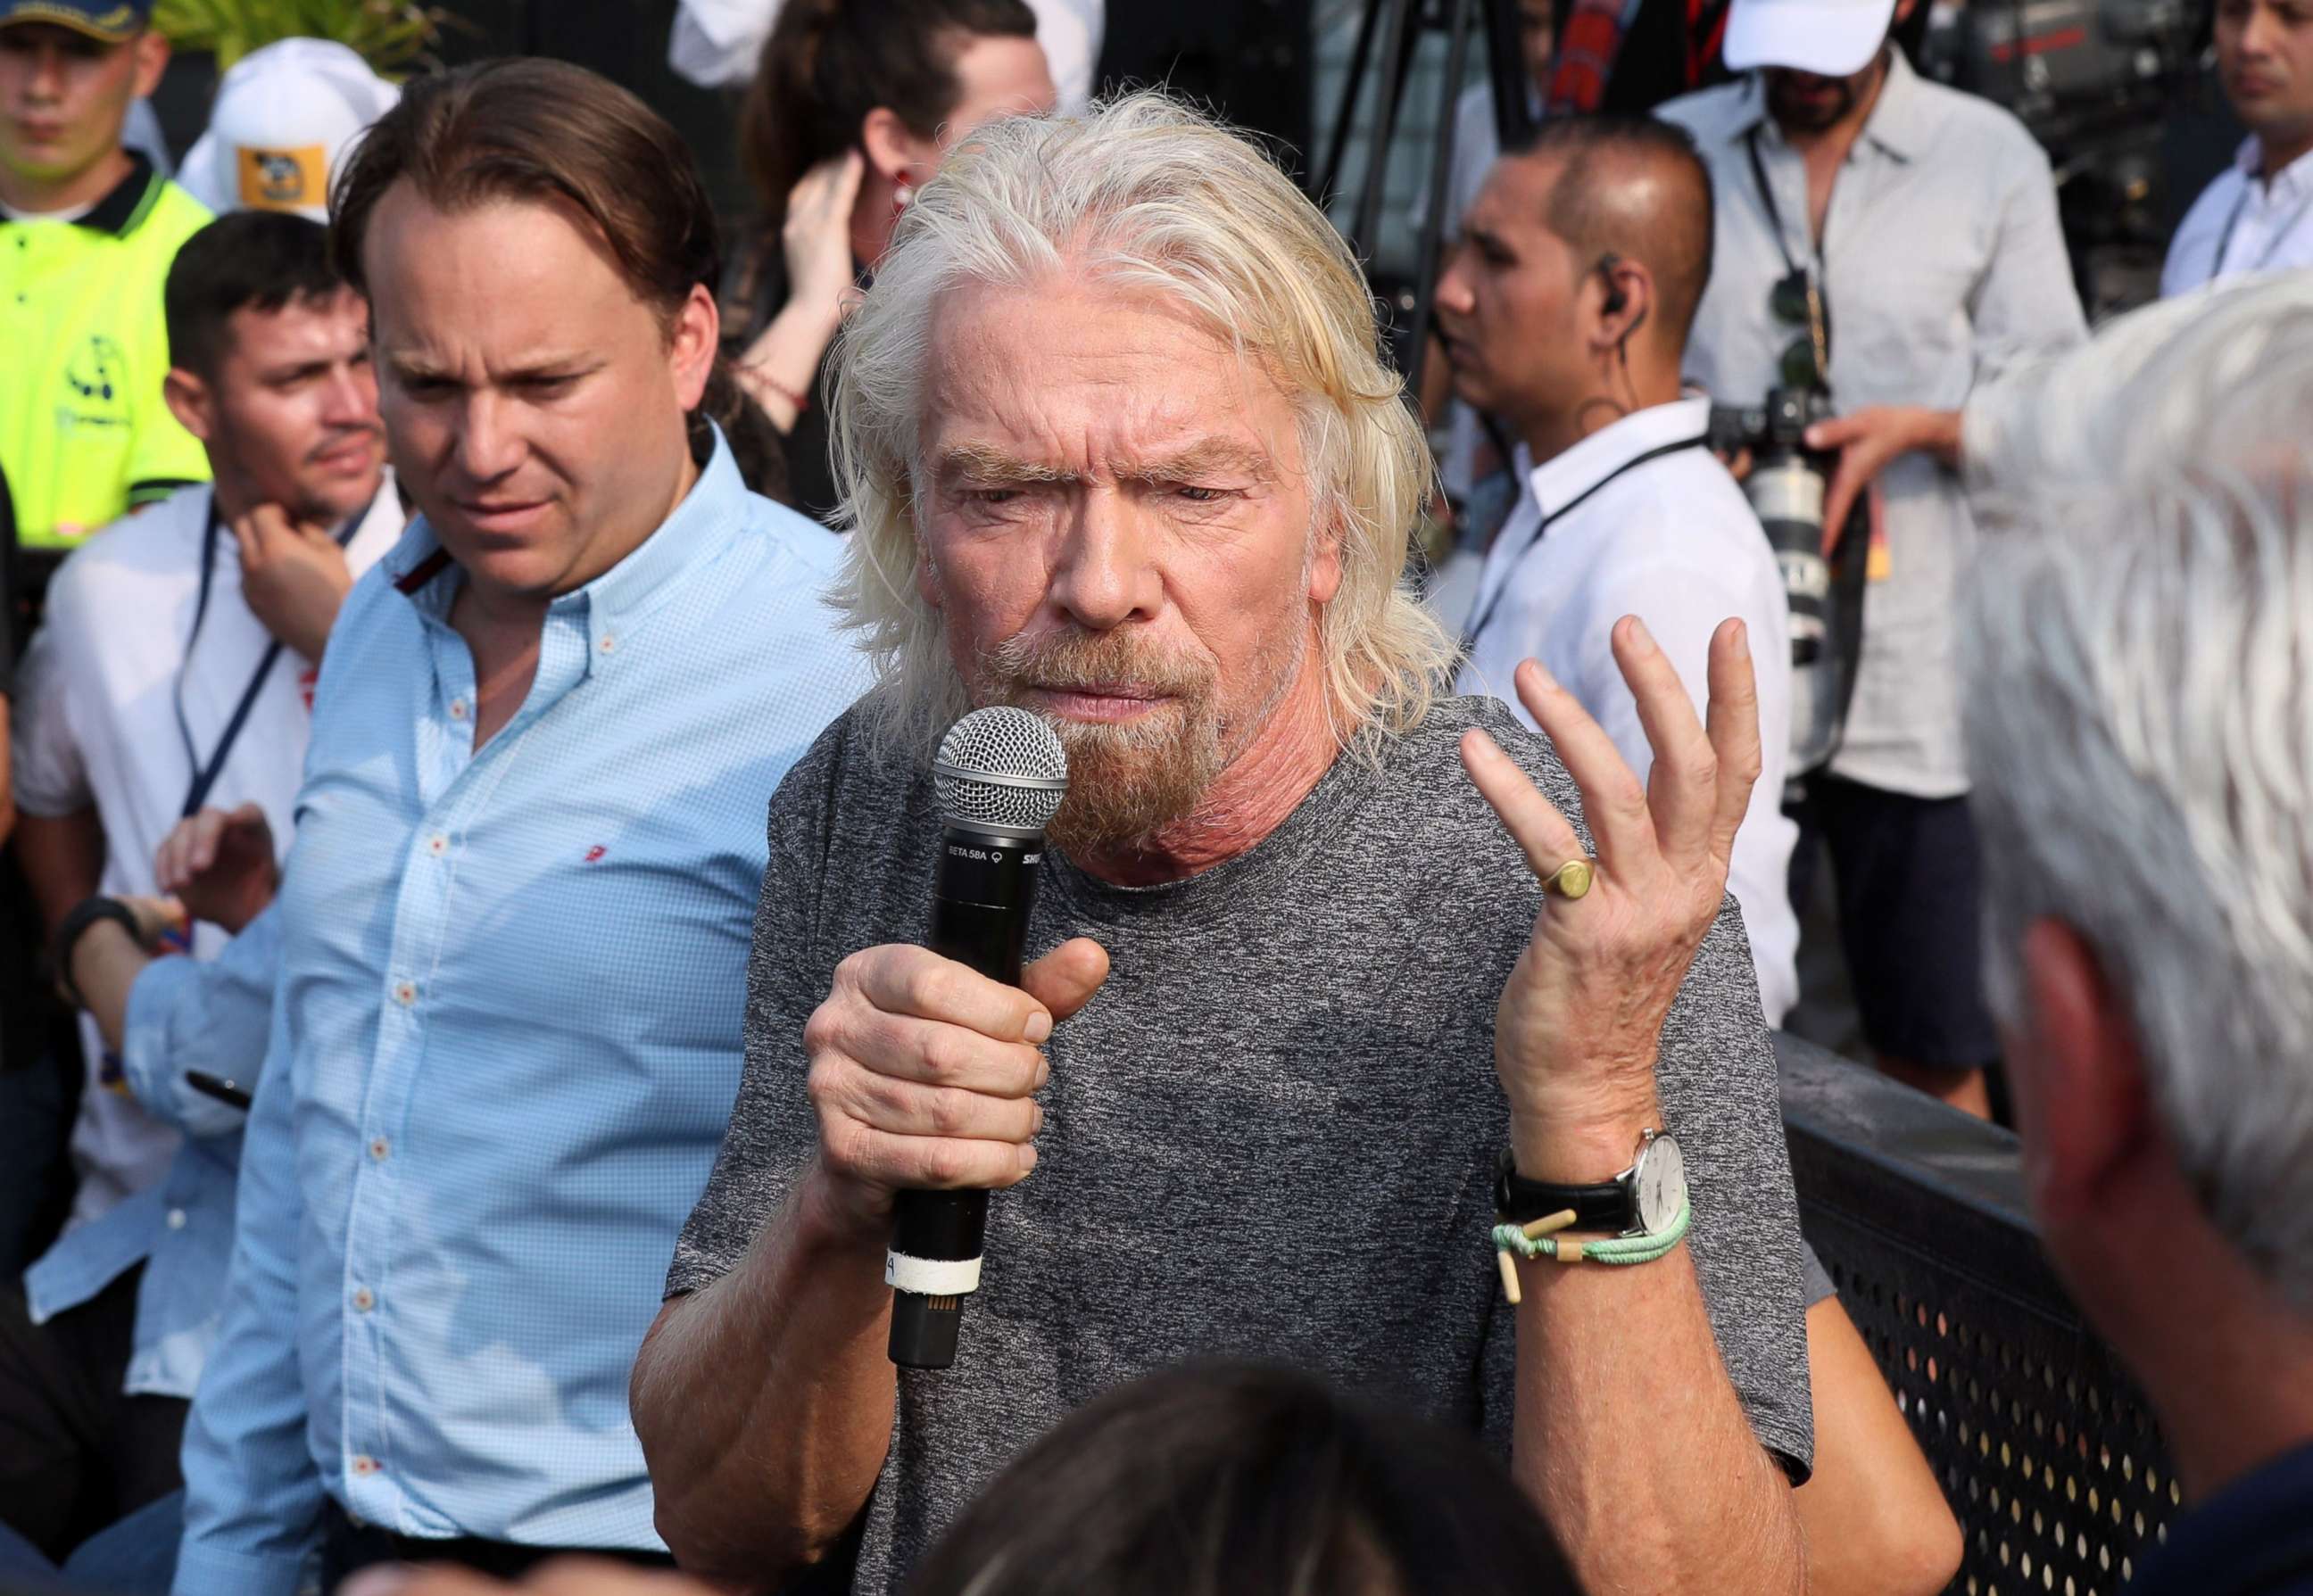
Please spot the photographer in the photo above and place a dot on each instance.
(2257, 215)
(1893, 241)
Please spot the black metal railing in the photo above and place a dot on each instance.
(2045, 1449)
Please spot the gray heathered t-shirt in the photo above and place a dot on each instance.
(1272, 1133)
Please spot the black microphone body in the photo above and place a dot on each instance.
(983, 886)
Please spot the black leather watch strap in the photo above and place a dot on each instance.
(1610, 1205)
(82, 914)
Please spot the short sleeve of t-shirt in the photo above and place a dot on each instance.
(45, 769)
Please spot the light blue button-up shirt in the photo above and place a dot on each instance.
(506, 1042)
(183, 1015)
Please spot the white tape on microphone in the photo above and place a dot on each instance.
(931, 1277)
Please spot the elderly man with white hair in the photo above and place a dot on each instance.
(2138, 639)
(1317, 989)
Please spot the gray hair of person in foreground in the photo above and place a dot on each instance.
(1147, 193)
(2137, 644)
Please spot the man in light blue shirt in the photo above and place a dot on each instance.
(516, 918)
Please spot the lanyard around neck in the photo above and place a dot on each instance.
(205, 774)
(1774, 211)
(1510, 572)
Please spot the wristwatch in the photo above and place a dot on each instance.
(76, 924)
(1641, 1201)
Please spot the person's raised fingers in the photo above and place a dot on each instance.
(1733, 731)
(1682, 783)
(1613, 799)
(1543, 835)
(901, 980)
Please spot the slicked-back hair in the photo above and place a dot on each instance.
(542, 131)
(246, 260)
(1588, 210)
(1247, 1479)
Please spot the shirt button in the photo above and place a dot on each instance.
(379, 1147)
(364, 1464)
(607, 643)
(405, 992)
(457, 709)
(364, 1301)
(176, 1219)
(437, 845)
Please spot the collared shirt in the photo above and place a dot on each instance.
(95, 726)
(208, 1014)
(1942, 263)
(1672, 541)
(2244, 224)
(84, 435)
(506, 1041)
(2255, 1538)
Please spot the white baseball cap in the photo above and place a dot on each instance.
(284, 117)
(1829, 38)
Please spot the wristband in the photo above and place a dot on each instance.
(1615, 1250)
(85, 914)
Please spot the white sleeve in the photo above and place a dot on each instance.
(46, 771)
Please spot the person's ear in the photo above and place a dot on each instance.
(926, 577)
(1326, 564)
(692, 346)
(1626, 298)
(191, 401)
(2082, 1100)
(151, 49)
(892, 151)
(1903, 10)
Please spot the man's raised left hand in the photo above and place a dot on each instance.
(1581, 1016)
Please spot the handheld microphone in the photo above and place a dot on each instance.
(999, 776)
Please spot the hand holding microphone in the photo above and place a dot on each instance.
(924, 1075)
(925, 1061)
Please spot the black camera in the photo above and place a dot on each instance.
(1787, 485)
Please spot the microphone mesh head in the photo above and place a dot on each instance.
(1003, 768)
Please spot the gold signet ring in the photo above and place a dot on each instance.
(1569, 880)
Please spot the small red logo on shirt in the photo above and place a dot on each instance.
(596, 852)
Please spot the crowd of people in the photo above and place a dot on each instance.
(486, 626)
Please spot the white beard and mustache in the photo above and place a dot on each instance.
(1128, 780)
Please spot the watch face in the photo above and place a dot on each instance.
(1662, 1185)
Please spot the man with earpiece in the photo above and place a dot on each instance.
(1565, 312)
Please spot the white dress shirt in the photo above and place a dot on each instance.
(1943, 264)
(2244, 224)
(1672, 541)
(96, 726)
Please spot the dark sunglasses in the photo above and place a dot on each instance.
(1795, 301)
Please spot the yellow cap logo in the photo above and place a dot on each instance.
(284, 179)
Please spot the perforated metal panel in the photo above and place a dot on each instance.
(2046, 1452)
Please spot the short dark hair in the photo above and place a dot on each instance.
(1592, 208)
(1228, 1479)
(246, 260)
(536, 129)
(827, 63)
